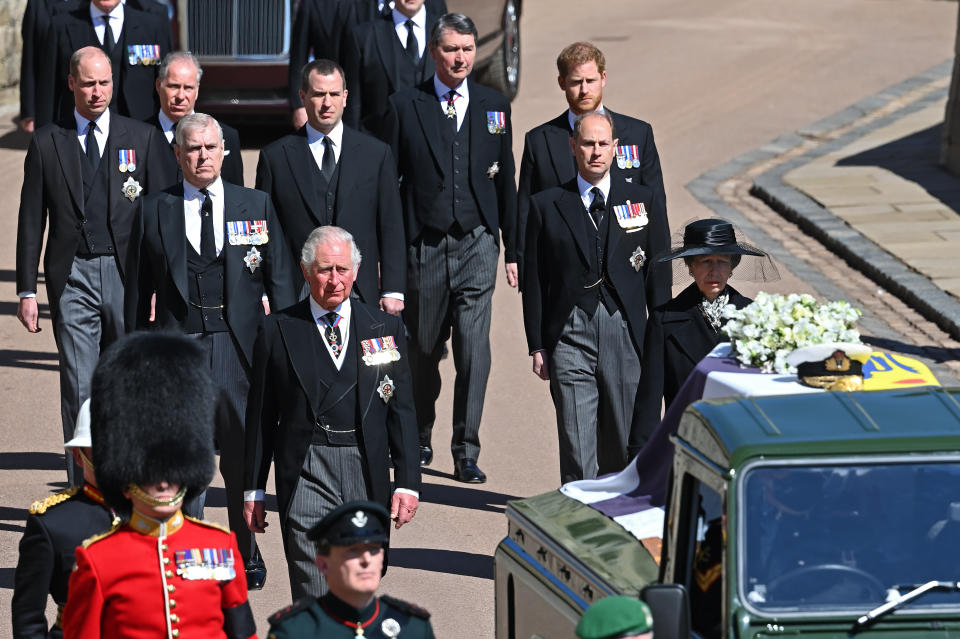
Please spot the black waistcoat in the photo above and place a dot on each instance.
(118, 58)
(205, 281)
(95, 229)
(456, 205)
(340, 411)
(601, 292)
(326, 193)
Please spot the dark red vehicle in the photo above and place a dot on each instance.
(244, 47)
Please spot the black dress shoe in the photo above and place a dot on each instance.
(467, 471)
(256, 573)
(426, 455)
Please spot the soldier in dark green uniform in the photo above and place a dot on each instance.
(351, 544)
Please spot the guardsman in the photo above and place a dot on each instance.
(160, 573)
(617, 617)
(351, 543)
(55, 527)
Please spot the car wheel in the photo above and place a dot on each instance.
(503, 74)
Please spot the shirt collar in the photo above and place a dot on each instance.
(103, 122)
(572, 117)
(155, 527)
(419, 18)
(343, 310)
(335, 135)
(190, 192)
(165, 122)
(441, 89)
(584, 187)
(97, 15)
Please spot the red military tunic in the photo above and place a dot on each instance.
(180, 579)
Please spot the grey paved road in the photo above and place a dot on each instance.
(715, 80)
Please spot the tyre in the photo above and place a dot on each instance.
(503, 74)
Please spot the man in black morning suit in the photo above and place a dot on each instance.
(320, 27)
(587, 287)
(383, 56)
(327, 173)
(215, 256)
(331, 407)
(178, 85)
(77, 188)
(452, 141)
(547, 160)
(135, 42)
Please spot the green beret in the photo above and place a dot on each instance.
(613, 617)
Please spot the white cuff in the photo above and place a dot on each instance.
(407, 491)
(253, 495)
(392, 295)
(26, 294)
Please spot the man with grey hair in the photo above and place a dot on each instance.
(178, 85)
(331, 405)
(452, 139)
(215, 256)
(79, 190)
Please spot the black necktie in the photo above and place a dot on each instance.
(108, 41)
(329, 163)
(93, 149)
(332, 332)
(597, 206)
(412, 49)
(173, 130)
(208, 246)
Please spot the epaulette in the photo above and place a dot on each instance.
(296, 607)
(40, 506)
(113, 528)
(208, 524)
(405, 607)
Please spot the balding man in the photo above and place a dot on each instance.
(83, 179)
(178, 85)
(586, 291)
(212, 252)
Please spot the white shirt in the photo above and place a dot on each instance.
(343, 310)
(192, 201)
(572, 117)
(116, 21)
(100, 133)
(419, 28)
(166, 124)
(460, 104)
(315, 141)
(586, 196)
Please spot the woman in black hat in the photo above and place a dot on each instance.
(684, 330)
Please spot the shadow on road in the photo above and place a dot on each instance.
(6, 578)
(452, 562)
(27, 359)
(15, 139)
(936, 353)
(463, 496)
(915, 158)
(8, 275)
(8, 513)
(32, 461)
(14, 528)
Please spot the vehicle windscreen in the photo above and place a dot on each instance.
(842, 536)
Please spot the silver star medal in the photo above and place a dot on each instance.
(131, 189)
(493, 170)
(253, 259)
(637, 259)
(390, 627)
(386, 388)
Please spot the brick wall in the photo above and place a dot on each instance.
(11, 13)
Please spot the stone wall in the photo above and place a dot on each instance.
(11, 13)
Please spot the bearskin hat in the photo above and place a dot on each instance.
(152, 406)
